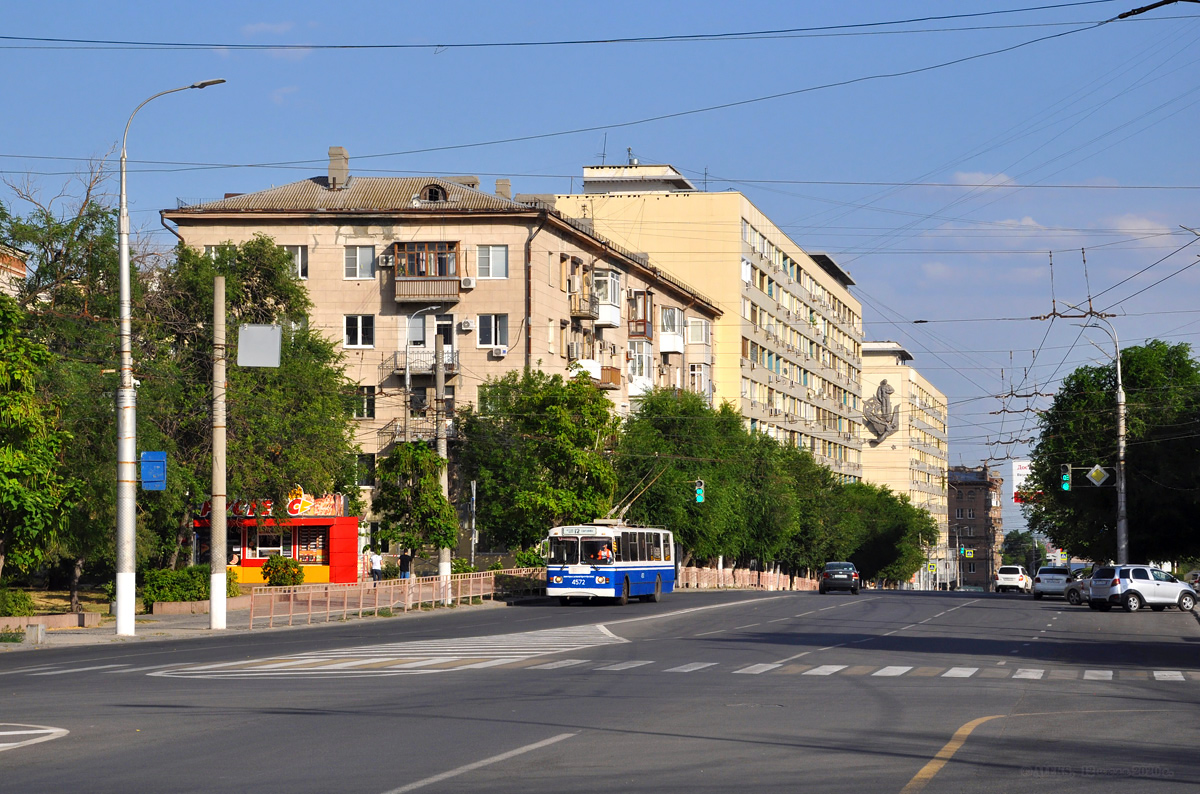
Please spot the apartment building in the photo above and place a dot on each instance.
(976, 525)
(393, 263)
(12, 270)
(787, 350)
(904, 417)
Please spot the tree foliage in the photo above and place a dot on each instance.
(409, 503)
(536, 445)
(1162, 383)
(1022, 548)
(35, 492)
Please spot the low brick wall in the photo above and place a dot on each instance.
(71, 620)
(197, 607)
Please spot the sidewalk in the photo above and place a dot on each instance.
(156, 628)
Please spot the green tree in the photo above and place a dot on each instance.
(892, 534)
(537, 446)
(35, 497)
(670, 442)
(409, 503)
(1022, 548)
(1162, 383)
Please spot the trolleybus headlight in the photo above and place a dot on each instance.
(601, 580)
(557, 580)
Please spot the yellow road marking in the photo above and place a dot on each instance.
(922, 778)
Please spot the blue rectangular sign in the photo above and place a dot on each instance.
(154, 471)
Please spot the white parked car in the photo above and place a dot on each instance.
(1051, 580)
(1013, 577)
(1135, 586)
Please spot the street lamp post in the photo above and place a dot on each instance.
(408, 360)
(1122, 516)
(127, 409)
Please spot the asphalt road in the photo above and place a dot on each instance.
(880, 692)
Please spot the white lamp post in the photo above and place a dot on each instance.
(1122, 516)
(127, 476)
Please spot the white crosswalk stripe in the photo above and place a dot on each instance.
(559, 664)
(888, 672)
(825, 669)
(1168, 675)
(960, 672)
(624, 665)
(691, 667)
(419, 656)
(1097, 675)
(1028, 673)
(756, 669)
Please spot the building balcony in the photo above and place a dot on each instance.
(414, 427)
(585, 306)
(610, 378)
(418, 362)
(641, 329)
(437, 289)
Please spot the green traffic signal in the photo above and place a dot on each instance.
(1066, 476)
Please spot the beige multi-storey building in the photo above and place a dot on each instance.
(391, 264)
(976, 523)
(904, 416)
(12, 270)
(787, 349)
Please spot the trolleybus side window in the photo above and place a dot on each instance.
(564, 551)
(656, 550)
(629, 546)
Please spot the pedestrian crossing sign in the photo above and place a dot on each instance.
(932, 567)
(970, 553)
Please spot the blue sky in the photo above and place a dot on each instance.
(1098, 123)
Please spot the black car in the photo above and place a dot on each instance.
(839, 576)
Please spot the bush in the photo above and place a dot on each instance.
(282, 571)
(462, 565)
(529, 558)
(496, 565)
(184, 584)
(391, 569)
(15, 603)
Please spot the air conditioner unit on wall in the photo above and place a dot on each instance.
(573, 284)
(499, 352)
(574, 350)
(467, 325)
(468, 282)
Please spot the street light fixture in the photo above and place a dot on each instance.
(127, 409)
(1122, 516)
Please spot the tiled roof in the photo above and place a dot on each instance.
(364, 193)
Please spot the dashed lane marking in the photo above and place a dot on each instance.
(690, 667)
(80, 669)
(756, 669)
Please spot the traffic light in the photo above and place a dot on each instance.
(1066, 476)
(699, 490)
(962, 550)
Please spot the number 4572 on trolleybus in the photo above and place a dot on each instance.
(609, 559)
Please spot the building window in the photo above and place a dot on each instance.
(416, 330)
(299, 258)
(360, 330)
(970, 567)
(639, 359)
(266, 541)
(364, 403)
(213, 251)
(433, 193)
(672, 320)
(958, 493)
(970, 531)
(493, 330)
(360, 261)
(608, 287)
(970, 494)
(698, 378)
(958, 513)
(970, 512)
(698, 331)
(427, 260)
(492, 261)
(364, 470)
(747, 271)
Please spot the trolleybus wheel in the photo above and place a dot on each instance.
(623, 599)
(657, 596)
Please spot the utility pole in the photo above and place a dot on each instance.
(217, 529)
(439, 380)
(474, 533)
(1122, 514)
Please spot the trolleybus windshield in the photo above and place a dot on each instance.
(564, 551)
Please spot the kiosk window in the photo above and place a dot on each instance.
(314, 545)
(271, 540)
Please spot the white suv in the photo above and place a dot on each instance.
(1013, 577)
(1137, 586)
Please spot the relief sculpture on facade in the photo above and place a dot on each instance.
(879, 415)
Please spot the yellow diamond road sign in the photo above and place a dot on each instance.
(1097, 475)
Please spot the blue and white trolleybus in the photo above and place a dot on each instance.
(610, 559)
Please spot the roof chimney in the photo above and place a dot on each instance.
(339, 167)
(504, 189)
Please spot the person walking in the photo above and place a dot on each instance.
(376, 565)
(405, 561)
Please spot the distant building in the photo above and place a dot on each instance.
(786, 353)
(904, 421)
(12, 270)
(976, 502)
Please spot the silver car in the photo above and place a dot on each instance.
(1013, 577)
(1051, 580)
(1078, 588)
(1137, 586)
